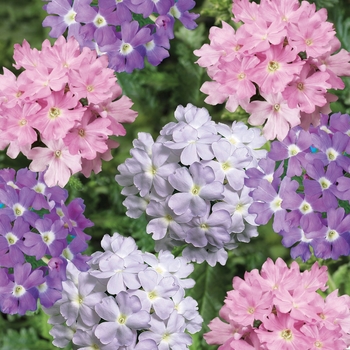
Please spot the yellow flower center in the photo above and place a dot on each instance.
(54, 112)
(273, 66)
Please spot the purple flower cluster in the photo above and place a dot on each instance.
(39, 234)
(190, 183)
(110, 27)
(127, 300)
(304, 185)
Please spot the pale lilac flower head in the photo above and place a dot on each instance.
(93, 303)
(186, 180)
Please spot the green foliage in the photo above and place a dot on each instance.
(220, 10)
(30, 332)
(20, 19)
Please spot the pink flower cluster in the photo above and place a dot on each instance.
(61, 109)
(278, 65)
(280, 308)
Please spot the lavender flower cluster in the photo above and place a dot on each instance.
(127, 300)
(110, 27)
(39, 234)
(304, 185)
(190, 183)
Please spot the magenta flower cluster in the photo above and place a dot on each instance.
(286, 53)
(190, 183)
(61, 109)
(303, 184)
(39, 234)
(110, 27)
(126, 300)
(281, 308)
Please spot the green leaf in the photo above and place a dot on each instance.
(212, 284)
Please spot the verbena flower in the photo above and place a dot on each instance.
(151, 307)
(35, 242)
(307, 200)
(68, 105)
(288, 312)
(110, 28)
(280, 52)
(190, 183)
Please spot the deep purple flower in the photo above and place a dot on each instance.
(322, 182)
(333, 239)
(73, 253)
(302, 248)
(293, 148)
(125, 57)
(50, 240)
(122, 8)
(165, 26)
(45, 196)
(180, 11)
(18, 204)
(74, 219)
(265, 171)
(156, 50)
(20, 294)
(268, 202)
(147, 7)
(331, 149)
(11, 243)
(66, 17)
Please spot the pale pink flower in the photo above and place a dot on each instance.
(26, 57)
(307, 90)
(116, 111)
(217, 94)
(60, 114)
(276, 112)
(65, 53)
(222, 40)
(60, 164)
(280, 66)
(311, 35)
(42, 80)
(247, 304)
(93, 80)
(245, 11)
(17, 124)
(323, 338)
(10, 94)
(95, 164)
(282, 332)
(89, 136)
(236, 76)
(262, 35)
